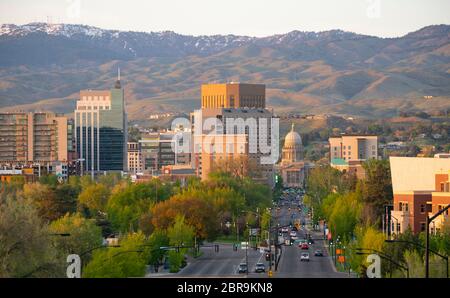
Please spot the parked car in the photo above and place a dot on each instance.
(260, 267)
(242, 268)
(318, 253)
(304, 257)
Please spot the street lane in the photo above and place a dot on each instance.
(222, 263)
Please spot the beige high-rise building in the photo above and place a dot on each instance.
(354, 147)
(240, 109)
(135, 164)
(348, 152)
(33, 137)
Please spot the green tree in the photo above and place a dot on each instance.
(129, 260)
(84, 235)
(180, 234)
(377, 187)
(25, 244)
(95, 198)
(128, 204)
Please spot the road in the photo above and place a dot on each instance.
(225, 263)
(290, 265)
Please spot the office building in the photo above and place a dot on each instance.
(135, 162)
(348, 152)
(101, 130)
(239, 110)
(33, 137)
(233, 95)
(161, 149)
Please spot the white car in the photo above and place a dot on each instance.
(304, 257)
(293, 234)
(284, 230)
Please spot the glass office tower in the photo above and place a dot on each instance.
(101, 130)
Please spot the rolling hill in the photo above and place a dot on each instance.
(43, 67)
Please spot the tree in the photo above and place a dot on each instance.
(25, 245)
(180, 234)
(197, 208)
(50, 205)
(129, 260)
(377, 187)
(344, 216)
(95, 198)
(128, 203)
(157, 240)
(84, 234)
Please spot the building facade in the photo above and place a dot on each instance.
(135, 163)
(161, 149)
(233, 95)
(33, 137)
(420, 188)
(101, 130)
(236, 109)
(348, 152)
(293, 168)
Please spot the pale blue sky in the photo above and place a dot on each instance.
(386, 18)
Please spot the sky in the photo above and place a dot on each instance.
(384, 18)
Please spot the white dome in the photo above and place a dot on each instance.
(293, 139)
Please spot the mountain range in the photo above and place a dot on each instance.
(43, 67)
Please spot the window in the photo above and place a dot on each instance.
(400, 206)
(349, 147)
(422, 208)
(344, 147)
(349, 153)
(398, 227)
(406, 206)
(422, 226)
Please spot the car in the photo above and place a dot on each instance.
(310, 241)
(242, 268)
(318, 253)
(304, 257)
(260, 267)
(284, 229)
(304, 246)
(292, 234)
(294, 238)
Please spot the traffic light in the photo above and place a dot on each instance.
(268, 256)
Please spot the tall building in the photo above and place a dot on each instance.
(233, 95)
(348, 152)
(101, 130)
(157, 150)
(240, 109)
(33, 137)
(135, 164)
(421, 188)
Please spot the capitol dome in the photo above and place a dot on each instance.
(292, 139)
(293, 147)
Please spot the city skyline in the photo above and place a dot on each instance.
(370, 17)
